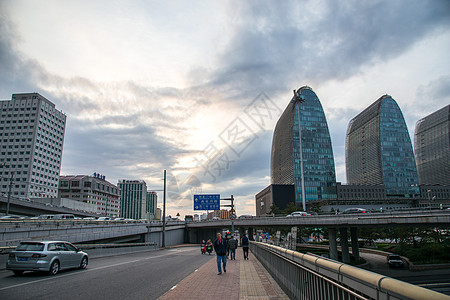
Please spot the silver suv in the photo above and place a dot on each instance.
(49, 256)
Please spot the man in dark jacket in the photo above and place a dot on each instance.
(244, 243)
(232, 245)
(220, 246)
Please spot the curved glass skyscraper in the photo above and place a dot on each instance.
(379, 150)
(432, 148)
(301, 150)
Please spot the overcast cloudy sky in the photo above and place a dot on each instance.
(196, 87)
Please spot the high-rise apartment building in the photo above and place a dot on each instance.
(31, 139)
(101, 195)
(432, 148)
(133, 199)
(301, 150)
(152, 204)
(379, 150)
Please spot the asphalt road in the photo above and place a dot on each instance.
(438, 280)
(144, 275)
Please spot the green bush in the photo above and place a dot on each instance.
(431, 253)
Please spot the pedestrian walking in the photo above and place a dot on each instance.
(244, 243)
(227, 238)
(220, 246)
(232, 244)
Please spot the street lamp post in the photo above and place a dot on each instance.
(300, 99)
(163, 244)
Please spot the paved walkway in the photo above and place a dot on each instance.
(244, 279)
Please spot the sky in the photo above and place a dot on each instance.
(196, 87)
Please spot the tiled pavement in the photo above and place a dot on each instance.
(244, 279)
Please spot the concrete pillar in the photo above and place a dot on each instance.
(344, 245)
(333, 244)
(355, 245)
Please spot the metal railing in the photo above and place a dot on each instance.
(304, 276)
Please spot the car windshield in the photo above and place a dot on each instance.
(394, 257)
(30, 247)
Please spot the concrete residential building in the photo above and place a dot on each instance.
(133, 199)
(379, 150)
(301, 150)
(152, 204)
(102, 195)
(222, 214)
(31, 139)
(432, 148)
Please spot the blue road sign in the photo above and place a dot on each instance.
(207, 202)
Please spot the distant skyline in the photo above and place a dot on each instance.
(181, 86)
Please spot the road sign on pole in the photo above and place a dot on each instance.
(207, 202)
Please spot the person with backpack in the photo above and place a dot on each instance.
(232, 244)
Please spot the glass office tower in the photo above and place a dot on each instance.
(379, 150)
(432, 148)
(301, 150)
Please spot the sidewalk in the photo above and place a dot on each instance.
(244, 279)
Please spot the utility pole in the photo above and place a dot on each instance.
(297, 97)
(163, 244)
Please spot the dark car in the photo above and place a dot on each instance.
(356, 211)
(394, 261)
(48, 256)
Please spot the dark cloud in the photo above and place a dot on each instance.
(14, 74)
(435, 94)
(275, 46)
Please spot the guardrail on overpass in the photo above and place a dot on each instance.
(82, 231)
(433, 218)
(304, 276)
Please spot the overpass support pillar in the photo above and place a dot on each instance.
(333, 244)
(355, 245)
(344, 245)
(250, 234)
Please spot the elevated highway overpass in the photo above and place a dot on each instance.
(32, 208)
(341, 223)
(82, 231)
(88, 231)
(412, 218)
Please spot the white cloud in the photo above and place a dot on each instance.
(148, 85)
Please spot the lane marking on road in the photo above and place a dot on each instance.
(77, 273)
(173, 287)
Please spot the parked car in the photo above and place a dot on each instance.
(246, 217)
(298, 214)
(64, 217)
(104, 219)
(47, 256)
(9, 217)
(355, 210)
(46, 217)
(394, 261)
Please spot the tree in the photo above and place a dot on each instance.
(290, 208)
(275, 210)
